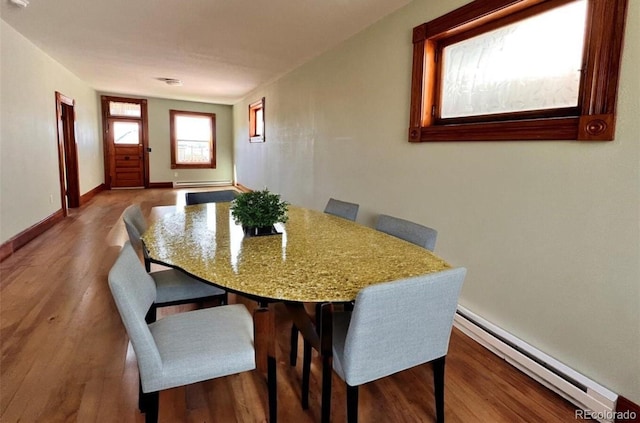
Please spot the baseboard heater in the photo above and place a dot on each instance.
(199, 184)
(585, 393)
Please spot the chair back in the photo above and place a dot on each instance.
(342, 209)
(210, 197)
(134, 291)
(398, 325)
(414, 233)
(135, 224)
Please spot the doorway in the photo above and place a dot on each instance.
(67, 152)
(125, 142)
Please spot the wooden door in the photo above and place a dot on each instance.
(70, 156)
(67, 153)
(125, 129)
(126, 157)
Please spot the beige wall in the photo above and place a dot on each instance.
(548, 230)
(29, 178)
(160, 141)
(160, 158)
(30, 188)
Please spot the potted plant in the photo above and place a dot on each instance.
(257, 211)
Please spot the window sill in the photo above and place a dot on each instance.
(587, 128)
(193, 166)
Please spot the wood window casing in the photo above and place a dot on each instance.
(594, 117)
(256, 121)
(175, 164)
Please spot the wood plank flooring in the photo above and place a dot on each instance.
(66, 357)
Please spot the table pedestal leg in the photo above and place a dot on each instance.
(264, 340)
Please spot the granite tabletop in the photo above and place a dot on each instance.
(316, 258)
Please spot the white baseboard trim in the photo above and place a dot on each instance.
(585, 393)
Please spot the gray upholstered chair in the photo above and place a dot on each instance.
(210, 197)
(136, 225)
(173, 286)
(415, 233)
(182, 348)
(395, 326)
(342, 209)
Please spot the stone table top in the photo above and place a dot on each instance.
(316, 258)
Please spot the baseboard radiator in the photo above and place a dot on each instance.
(573, 386)
(199, 184)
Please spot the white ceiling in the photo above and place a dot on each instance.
(220, 49)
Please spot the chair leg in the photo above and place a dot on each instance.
(142, 405)
(324, 319)
(151, 314)
(306, 373)
(147, 264)
(352, 404)
(327, 369)
(272, 388)
(293, 352)
(438, 387)
(152, 403)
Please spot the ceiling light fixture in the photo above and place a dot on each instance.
(20, 3)
(170, 81)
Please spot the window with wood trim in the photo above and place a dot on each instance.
(256, 121)
(193, 140)
(518, 70)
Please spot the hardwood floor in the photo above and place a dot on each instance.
(66, 356)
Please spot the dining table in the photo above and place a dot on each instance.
(314, 258)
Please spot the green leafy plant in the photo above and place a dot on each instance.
(259, 209)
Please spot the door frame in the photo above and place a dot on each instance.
(144, 128)
(67, 153)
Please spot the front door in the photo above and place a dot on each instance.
(126, 153)
(126, 161)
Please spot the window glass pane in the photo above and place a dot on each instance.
(126, 132)
(259, 122)
(193, 135)
(193, 128)
(532, 64)
(193, 152)
(124, 109)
